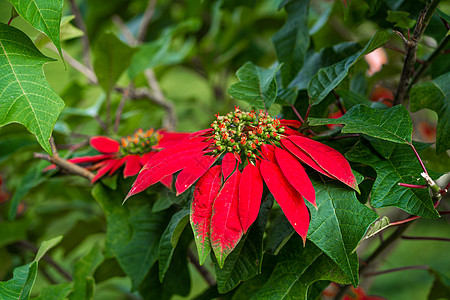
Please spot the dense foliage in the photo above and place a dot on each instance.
(224, 149)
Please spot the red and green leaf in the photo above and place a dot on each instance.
(192, 172)
(295, 174)
(226, 229)
(205, 192)
(328, 159)
(250, 193)
(290, 201)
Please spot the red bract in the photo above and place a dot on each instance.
(133, 152)
(250, 149)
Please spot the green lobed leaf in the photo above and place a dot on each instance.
(292, 40)
(401, 167)
(257, 86)
(298, 267)
(112, 58)
(435, 95)
(25, 95)
(441, 286)
(169, 240)
(400, 18)
(246, 259)
(328, 78)
(132, 226)
(338, 224)
(19, 287)
(43, 15)
(393, 124)
(83, 281)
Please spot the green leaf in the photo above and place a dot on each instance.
(246, 259)
(25, 95)
(292, 40)
(83, 281)
(435, 95)
(169, 240)
(392, 125)
(55, 292)
(401, 167)
(328, 78)
(19, 287)
(441, 286)
(44, 15)
(298, 267)
(351, 99)
(160, 53)
(9, 145)
(132, 226)
(279, 234)
(400, 18)
(11, 232)
(112, 58)
(338, 223)
(257, 86)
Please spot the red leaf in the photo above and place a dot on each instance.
(104, 144)
(107, 165)
(292, 123)
(169, 139)
(193, 171)
(228, 164)
(295, 174)
(290, 201)
(296, 151)
(205, 192)
(288, 131)
(250, 193)
(132, 165)
(146, 157)
(238, 157)
(166, 162)
(226, 229)
(330, 160)
(167, 181)
(119, 163)
(269, 152)
(201, 133)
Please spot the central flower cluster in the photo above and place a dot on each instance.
(139, 143)
(245, 132)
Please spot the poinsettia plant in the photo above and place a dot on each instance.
(329, 157)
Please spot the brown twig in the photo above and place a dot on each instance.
(148, 14)
(411, 49)
(426, 238)
(125, 95)
(84, 39)
(202, 270)
(420, 267)
(127, 34)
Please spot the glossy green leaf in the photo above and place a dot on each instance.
(55, 292)
(392, 125)
(246, 259)
(401, 167)
(25, 95)
(257, 86)
(131, 226)
(441, 286)
(400, 19)
(435, 95)
(351, 99)
(160, 52)
(112, 58)
(298, 267)
(328, 78)
(19, 287)
(169, 240)
(292, 40)
(83, 281)
(338, 224)
(44, 15)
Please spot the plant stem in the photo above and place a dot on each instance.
(202, 270)
(125, 95)
(419, 267)
(84, 38)
(297, 113)
(307, 112)
(413, 186)
(418, 158)
(148, 14)
(411, 49)
(425, 238)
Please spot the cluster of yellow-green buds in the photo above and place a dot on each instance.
(244, 132)
(140, 142)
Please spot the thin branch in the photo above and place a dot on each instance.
(297, 113)
(148, 14)
(426, 238)
(47, 258)
(347, 136)
(84, 39)
(418, 158)
(413, 186)
(411, 49)
(125, 95)
(338, 102)
(420, 267)
(202, 270)
(101, 123)
(127, 34)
